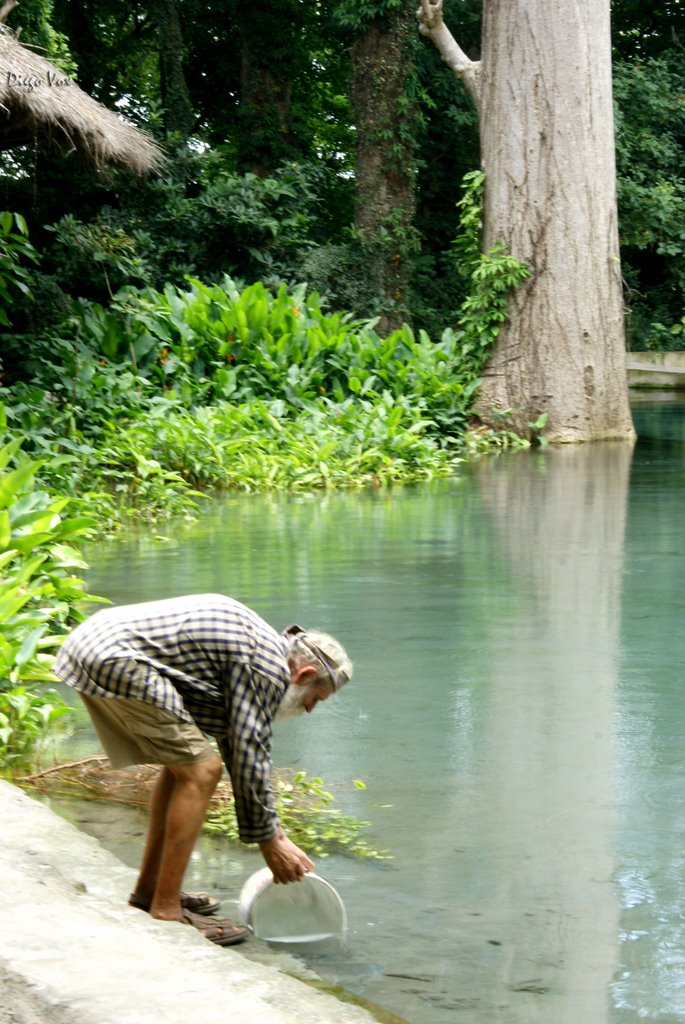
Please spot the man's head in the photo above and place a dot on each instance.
(319, 666)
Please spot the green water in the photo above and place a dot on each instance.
(517, 714)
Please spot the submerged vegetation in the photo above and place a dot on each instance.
(305, 811)
(304, 804)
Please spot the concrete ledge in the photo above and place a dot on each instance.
(656, 370)
(659, 360)
(72, 952)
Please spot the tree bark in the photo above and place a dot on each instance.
(178, 111)
(384, 164)
(270, 46)
(543, 90)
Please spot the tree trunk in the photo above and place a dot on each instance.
(547, 146)
(270, 46)
(384, 167)
(543, 89)
(178, 111)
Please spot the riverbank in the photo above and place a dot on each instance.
(73, 952)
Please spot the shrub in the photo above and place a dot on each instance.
(40, 598)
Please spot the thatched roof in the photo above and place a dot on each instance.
(39, 104)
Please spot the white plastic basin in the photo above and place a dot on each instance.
(306, 916)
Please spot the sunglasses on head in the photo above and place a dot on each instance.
(298, 633)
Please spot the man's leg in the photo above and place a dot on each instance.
(179, 804)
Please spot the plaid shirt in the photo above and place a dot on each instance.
(207, 659)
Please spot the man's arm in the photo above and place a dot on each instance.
(246, 751)
(288, 863)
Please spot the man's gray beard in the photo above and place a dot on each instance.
(291, 706)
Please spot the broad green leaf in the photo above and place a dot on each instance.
(62, 556)
(28, 646)
(5, 530)
(9, 450)
(12, 483)
(7, 556)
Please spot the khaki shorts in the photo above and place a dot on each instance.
(135, 732)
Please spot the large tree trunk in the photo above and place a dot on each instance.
(547, 145)
(543, 89)
(384, 162)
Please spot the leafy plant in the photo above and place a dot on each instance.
(26, 721)
(304, 809)
(40, 597)
(15, 252)
(167, 394)
(95, 252)
(491, 277)
(650, 111)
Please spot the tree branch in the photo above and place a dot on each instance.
(432, 25)
(7, 9)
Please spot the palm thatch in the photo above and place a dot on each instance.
(42, 106)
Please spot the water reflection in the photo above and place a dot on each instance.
(549, 745)
(517, 714)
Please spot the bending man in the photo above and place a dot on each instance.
(159, 677)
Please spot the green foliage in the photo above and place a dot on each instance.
(650, 125)
(39, 591)
(207, 217)
(206, 387)
(95, 252)
(27, 720)
(170, 392)
(255, 446)
(35, 20)
(40, 598)
(491, 277)
(646, 29)
(482, 440)
(142, 405)
(86, 453)
(208, 343)
(304, 809)
(485, 308)
(15, 251)
(290, 221)
(200, 219)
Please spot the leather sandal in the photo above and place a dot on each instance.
(220, 931)
(196, 902)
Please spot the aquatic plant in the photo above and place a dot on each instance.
(304, 808)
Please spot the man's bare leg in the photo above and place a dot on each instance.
(177, 812)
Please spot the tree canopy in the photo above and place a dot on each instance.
(276, 151)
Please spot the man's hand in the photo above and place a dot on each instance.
(429, 16)
(287, 861)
